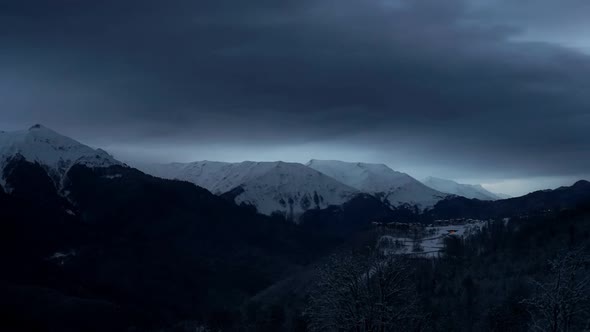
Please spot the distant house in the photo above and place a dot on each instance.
(452, 231)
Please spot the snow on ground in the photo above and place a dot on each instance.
(430, 239)
(61, 257)
(112, 176)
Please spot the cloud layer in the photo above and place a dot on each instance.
(457, 88)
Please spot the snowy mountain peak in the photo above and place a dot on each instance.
(278, 186)
(55, 152)
(363, 176)
(476, 191)
(40, 127)
(395, 187)
(294, 187)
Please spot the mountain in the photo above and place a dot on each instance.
(502, 196)
(289, 189)
(356, 215)
(459, 189)
(217, 177)
(396, 188)
(54, 152)
(90, 244)
(538, 202)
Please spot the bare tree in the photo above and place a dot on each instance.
(417, 246)
(364, 294)
(561, 302)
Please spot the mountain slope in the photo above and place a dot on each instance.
(271, 187)
(54, 152)
(150, 251)
(217, 177)
(503, 196)
(544, 201)
(356, 215)
(459, 189)
(394, 187)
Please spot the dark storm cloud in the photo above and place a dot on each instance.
(443, 82)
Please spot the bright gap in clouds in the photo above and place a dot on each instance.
(576, 41)
(519, 187)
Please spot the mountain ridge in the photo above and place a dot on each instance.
(540, 201)
(271, 187)
(396, 188)
(460, 189)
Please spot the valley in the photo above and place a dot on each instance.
(87, 235)
(424, 240)
(294, 166)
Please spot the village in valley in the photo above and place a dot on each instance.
(424, 240)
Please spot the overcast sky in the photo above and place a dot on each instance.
(481, 91)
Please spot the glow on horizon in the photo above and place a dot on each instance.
(165, 153)
(523, 186)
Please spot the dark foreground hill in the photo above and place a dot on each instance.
(90, 244)
(115, 248)
(539, 202)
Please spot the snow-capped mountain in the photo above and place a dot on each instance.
(394, 187)
(54, 152)
(465, 190)
(287, 188)
(217, 177)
